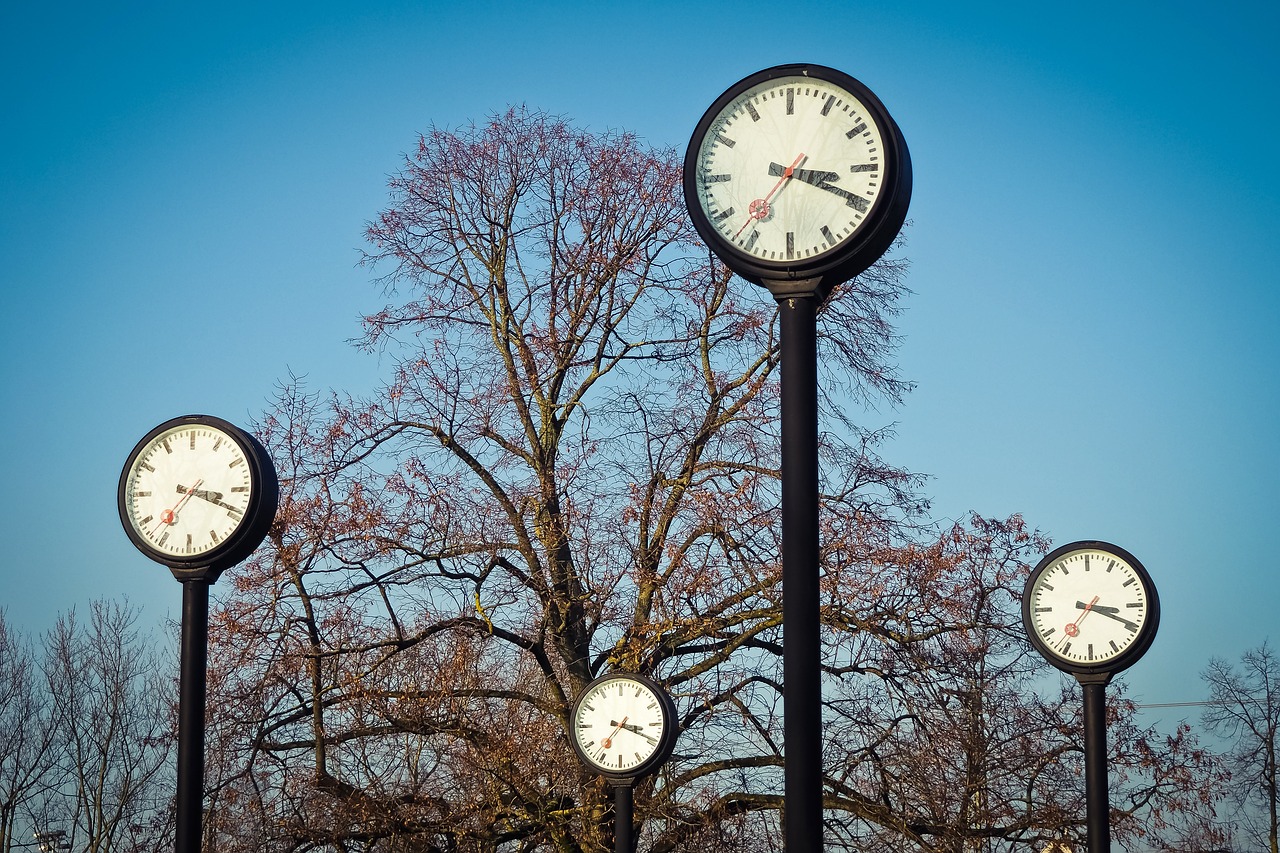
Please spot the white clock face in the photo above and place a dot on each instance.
(790, 169)
(187, 490)
(1088, 607)
(619, 724)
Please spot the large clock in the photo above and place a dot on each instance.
(623, 725)
(797, 172)
(1090, 607)
(198, 495)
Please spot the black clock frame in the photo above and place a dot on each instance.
(1129, 656)
(846, 260)
(259, 514)
(665, 746)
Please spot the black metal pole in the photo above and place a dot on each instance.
(623, 819)
(1097, 800)
(191, 700)
(802, 727)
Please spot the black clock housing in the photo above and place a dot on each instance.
(258, 516)
(1146, 635)
(874, 235)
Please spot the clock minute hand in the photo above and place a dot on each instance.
(822, 180)
(1110, 613)
(809, 176)
(214, 498)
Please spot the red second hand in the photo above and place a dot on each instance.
(1073, 628)
(760, 207)
(168, 516)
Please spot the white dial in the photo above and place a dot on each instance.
(790, 169)
(1088, 606)
(620, 724)
(187, 490)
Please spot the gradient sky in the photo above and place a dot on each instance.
(1092, 330)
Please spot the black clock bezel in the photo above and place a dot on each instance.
(264, 499)
(1136, 649)
(665, 746)
(854, 255)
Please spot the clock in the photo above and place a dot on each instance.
(797, 172)
(1090, 607)
(198, 495)
(623, 725)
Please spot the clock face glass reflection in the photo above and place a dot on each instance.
(790, 169)
(1088, 607)
(188, 490)
(619, 725)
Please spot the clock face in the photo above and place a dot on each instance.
(622, 725)
(1090, 607)
(791, 170)
(196, 491)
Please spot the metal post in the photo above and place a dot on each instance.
(1097, 800)
(191, 701)
(802, 728)
(623, 819)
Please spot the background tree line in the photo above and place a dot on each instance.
(572, 468)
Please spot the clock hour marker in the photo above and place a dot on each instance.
(1086, 562)
(1114, 647)
(859, 128)
(1111, 565)
(791, 102)
(826, 232)
(239, 488)
(239, 460)
(146, 467)
(751, 241)
(751, 111)
(791, 244)
(725, 141)
(718, 179)
(721, 217)
(213, 535)
(1134, 604)
(1066, 647)
(193, 439)
(1128, 582)
(167, 448)
(1044, 610)
(188, 541)
(831, 102)
(865, 167)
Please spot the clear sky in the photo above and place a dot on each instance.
(1093, 239)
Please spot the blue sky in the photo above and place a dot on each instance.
(1093, 243)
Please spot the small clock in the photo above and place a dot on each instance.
(1090, 607)
(198, 495)
(797, 172)
(623, 725)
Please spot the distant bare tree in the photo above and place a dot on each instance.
(112, 699)
(26, 733)
(1244, 707)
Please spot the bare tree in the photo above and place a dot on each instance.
(572, 469)
(112, 700)
(1244, 708)
(26, 733)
